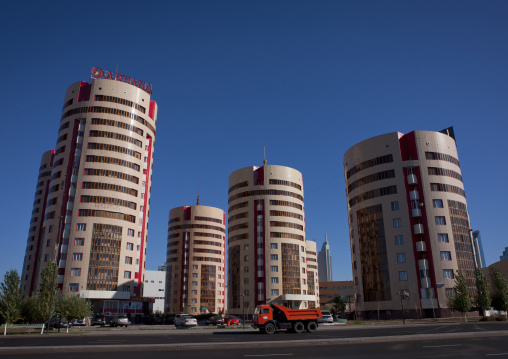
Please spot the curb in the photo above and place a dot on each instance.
(236, 345)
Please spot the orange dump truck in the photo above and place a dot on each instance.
(271, 317)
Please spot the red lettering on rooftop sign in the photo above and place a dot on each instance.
(98, 73)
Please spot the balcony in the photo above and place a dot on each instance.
(414, 195)
(418, 228)
(416, 212)
(411, 179)
(421, 246)
(425, 282)
(423, 264)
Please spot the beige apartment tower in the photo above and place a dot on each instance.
(195, 260)
(93, 195)
(408, 222)
(269, 259)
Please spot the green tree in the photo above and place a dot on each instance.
(500, 290)
(461, 302)
(29, 311)
(483, 285)
(10, 297)
(73, 307)
(49, 281)
(339, 305)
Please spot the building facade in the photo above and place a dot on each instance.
(325, 262)
(91, 212)
(478, 247)
(155, 288)
(328, 291)
(269, 259)
(408, 222)
(195, 260)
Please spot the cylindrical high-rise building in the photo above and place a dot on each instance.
(195, 260)
(97, 203)
(408, 222)
(267, 250)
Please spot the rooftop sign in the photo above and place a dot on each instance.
(98, 73)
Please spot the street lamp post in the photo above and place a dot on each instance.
(473, 252)
(402, 306)
(243, 310)
(54, 270)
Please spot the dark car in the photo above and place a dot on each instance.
(215, 320)
(169, 320)
(153, 320)
(59, 323)
(99, 320)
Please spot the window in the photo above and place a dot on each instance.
(403, 275)
(397, 223)
(50, 229)
(194, 275)
(77, 257)
(194, 292)
(79, 242)
(48, 242)
(75, 272)
(401, 257)
(73, 287)
(399, 240)
(440, 220)
(130, 232)
(81, 227)
(446, 256)
(274, 257)
(219, 292)
(443, 237)
(303, 259)
(128, 260)
(275, 292)
(395, 206)
(195, 266)
(450, 292)
(448, 273)
(273, 245)
(274, 268)
(46, 257)
(275, 280)
(194, 300)
(246, 258)
(127, 274)
(195, 284)
(130, 246)
(438, 203)
(424, 273)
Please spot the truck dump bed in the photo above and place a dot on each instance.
(299, 314)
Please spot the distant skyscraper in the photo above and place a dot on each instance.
(91, 205)
(505, 254)
(269, 259)
(325, 262)
(408, 223)
(480, 257)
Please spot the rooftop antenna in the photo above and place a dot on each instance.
(197, 203)
(264, 155)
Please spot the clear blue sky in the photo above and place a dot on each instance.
(306, 79)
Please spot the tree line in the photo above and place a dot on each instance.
(496, 297)
(14, 308)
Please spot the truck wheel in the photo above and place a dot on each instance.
(269, 328)
(298, 327)
(311, 327)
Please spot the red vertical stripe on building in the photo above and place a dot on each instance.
(146, 173)
(407, 144)
(84, 91)
(151, 110)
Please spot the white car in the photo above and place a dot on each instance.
(326, 318)
(185, 320)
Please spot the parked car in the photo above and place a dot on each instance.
(120, 321)
(326, 318)
(99, 320)
(78, 322)
(56, 322)
(185, 320)
(215, 320)
(169, 320)
(232, 320)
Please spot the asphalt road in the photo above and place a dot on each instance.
(466, 348)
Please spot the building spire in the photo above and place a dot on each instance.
(326, 237)
(264, 155)
(197, 202)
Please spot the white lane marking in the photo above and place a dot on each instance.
(440, 346)
(267, 355)
(496, 354)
